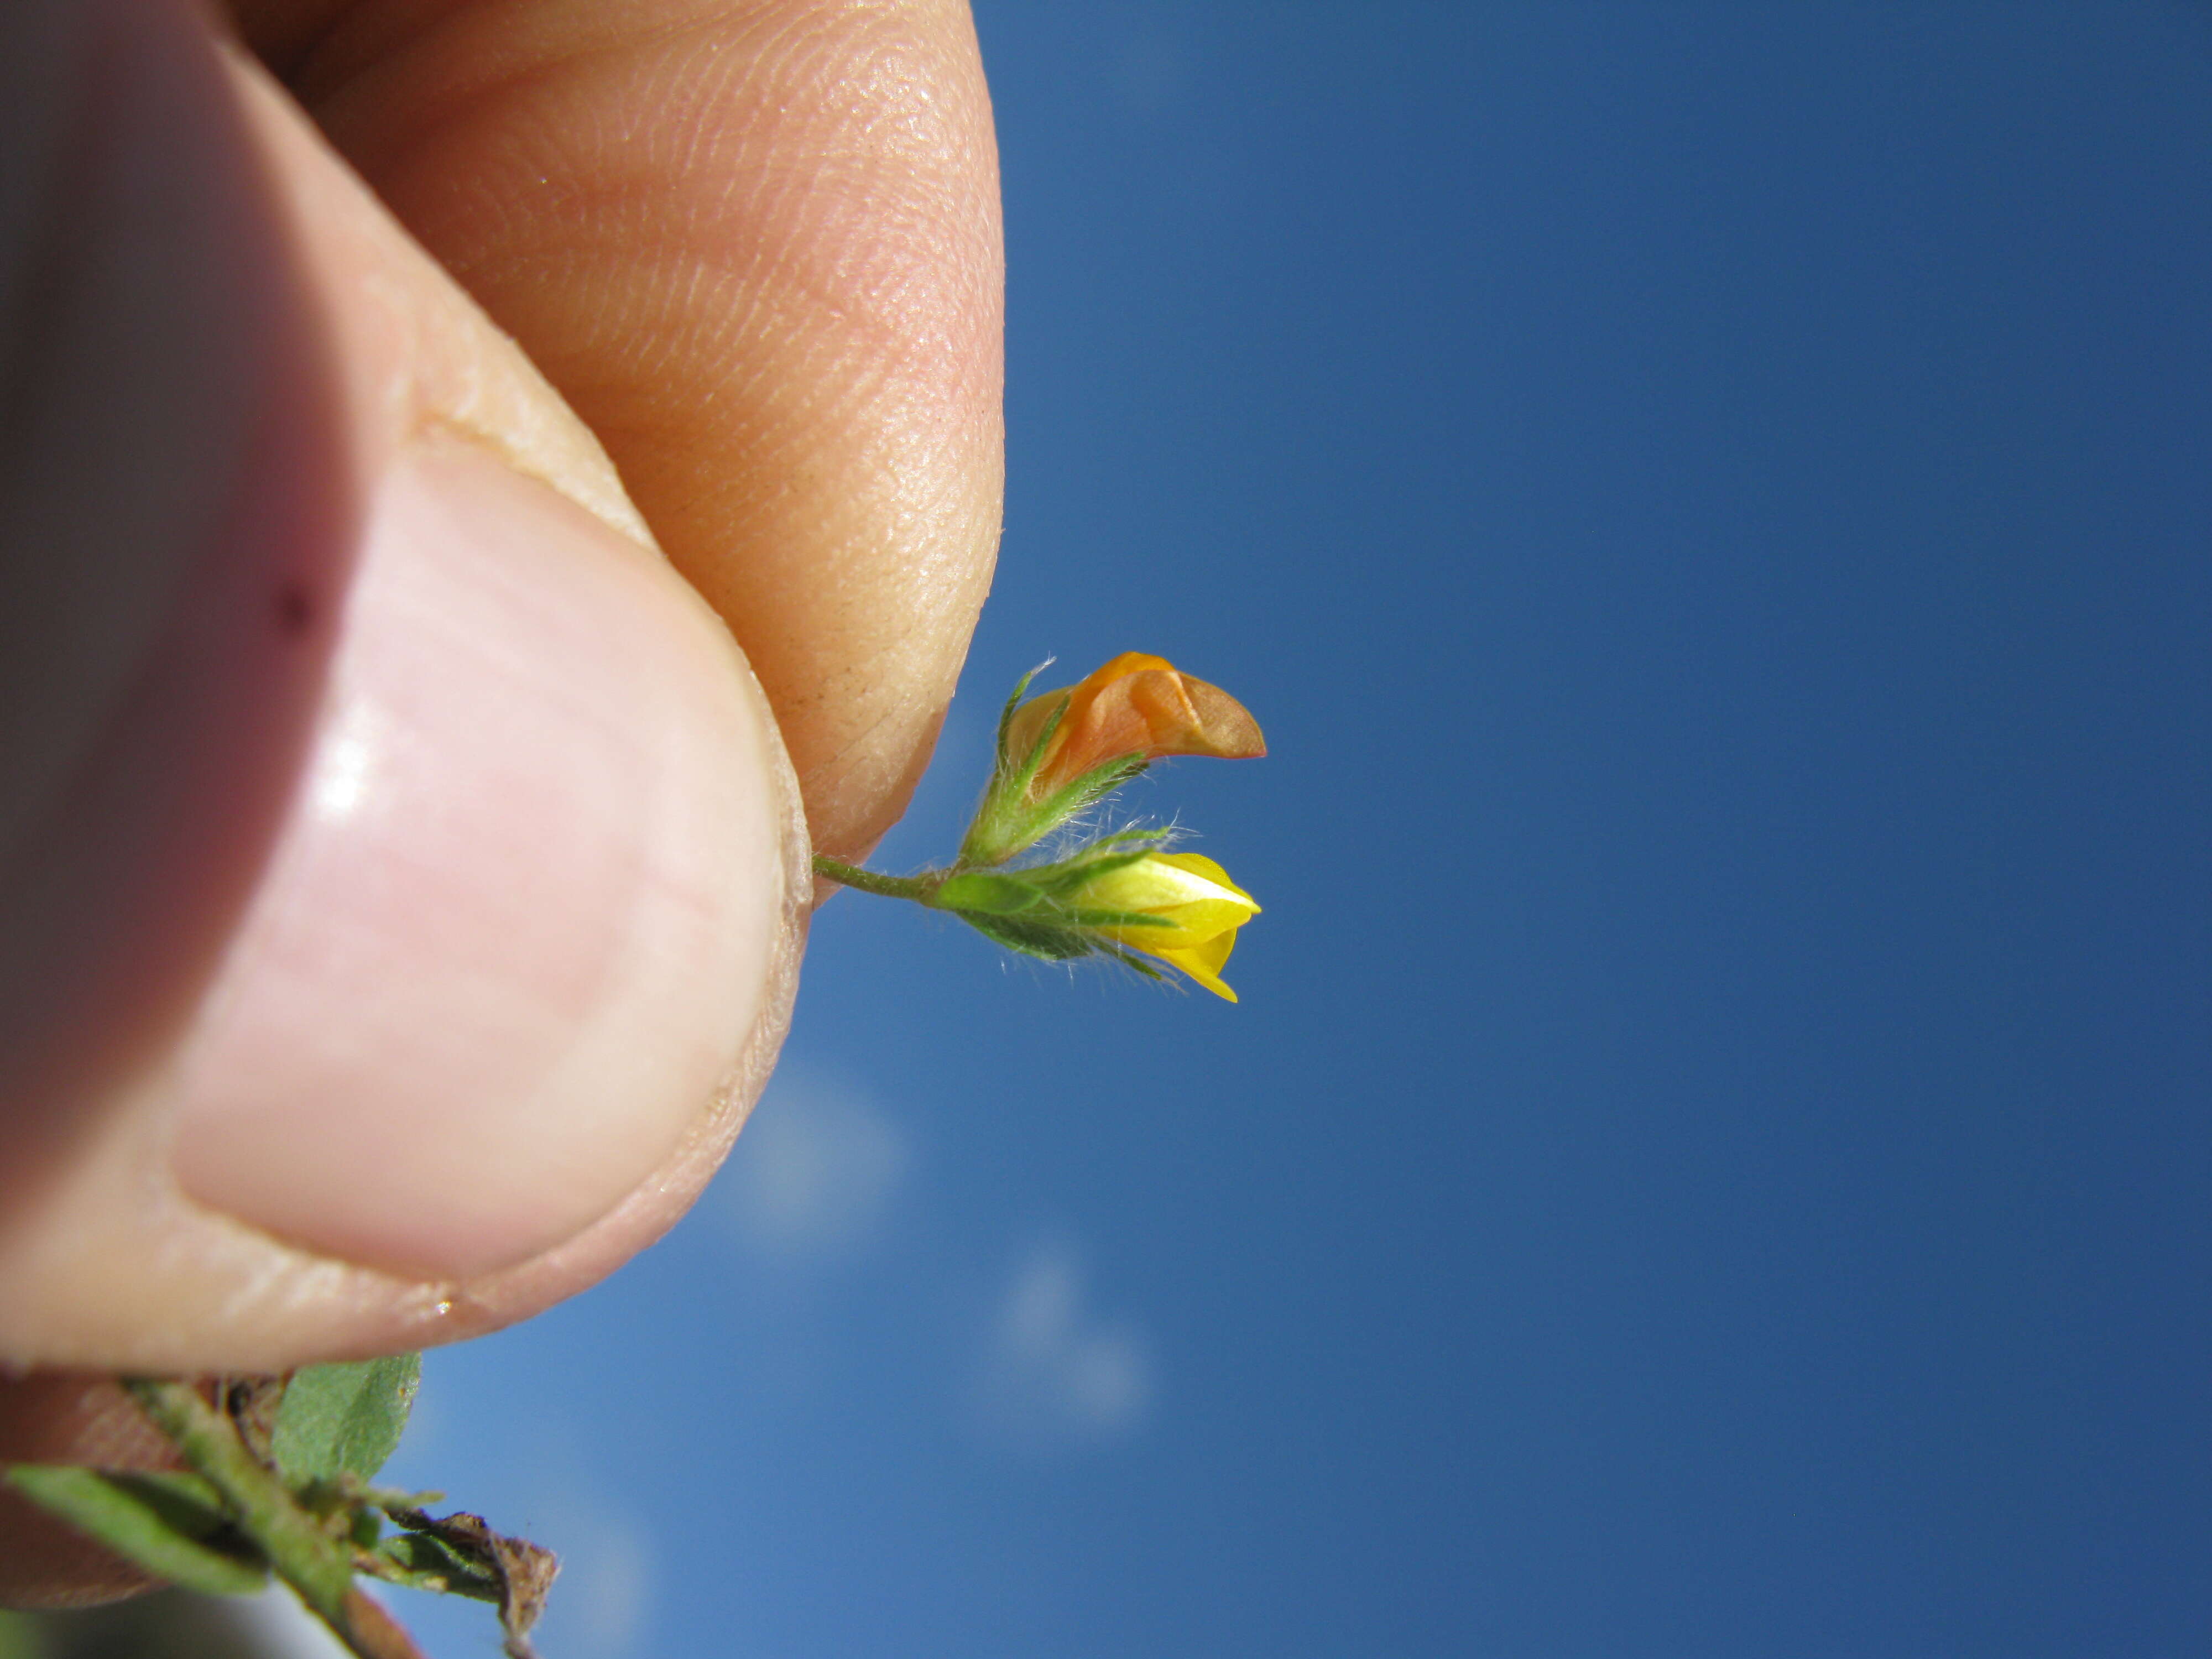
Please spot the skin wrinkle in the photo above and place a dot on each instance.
(866, 503)
(859, 738)
(793, 432)
(900, 289)
(887, 326)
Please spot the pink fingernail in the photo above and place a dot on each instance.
(522, 915)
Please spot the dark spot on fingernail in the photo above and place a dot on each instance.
(296, 610)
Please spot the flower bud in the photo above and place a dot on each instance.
(1189, 909)
(1061, 753)
(1134, 707)
(1107, 900)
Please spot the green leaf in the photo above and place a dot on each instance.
(523, 1571)
(170, 1524)
(422, 1562)
(344, 1420)
(20, 1638)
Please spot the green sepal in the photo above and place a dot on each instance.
(1151, 840)
(1081, 793)
(1082, 869)
(344, 1419)
(1013, 707)
(984, 892)
(1081, 918)
(1004, 823)
(172, 1525)
(1129, 959)
(1032, 939)
(1036, 897)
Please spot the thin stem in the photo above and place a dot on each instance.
(917, 888)
(371, 1632)
(304, 1556)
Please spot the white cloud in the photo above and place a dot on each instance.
(599, 1605)
(814, 1170)
(1055, 1373)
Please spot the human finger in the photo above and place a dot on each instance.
(757, 246)
(399, 874)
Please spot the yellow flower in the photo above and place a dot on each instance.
(1135, 705)
(1200, 907)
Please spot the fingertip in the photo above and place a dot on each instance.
(524, 914)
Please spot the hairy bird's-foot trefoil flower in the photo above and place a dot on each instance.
(1133, 705)
(1062, 752)
(1191, 912)
(1122, 896)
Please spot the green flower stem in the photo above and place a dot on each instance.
(316, 1565)
(917, 888)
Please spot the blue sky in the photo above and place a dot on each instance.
(1713, 507)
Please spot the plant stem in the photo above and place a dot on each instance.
(371, 1632)
(917, 888)
(316, 1565)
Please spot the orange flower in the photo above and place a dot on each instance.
(1134, 707)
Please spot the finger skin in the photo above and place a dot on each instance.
(68, 1417)
(757, 247)
(786, 327)
(103, 1259)
(221, 348)
(167, 452)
